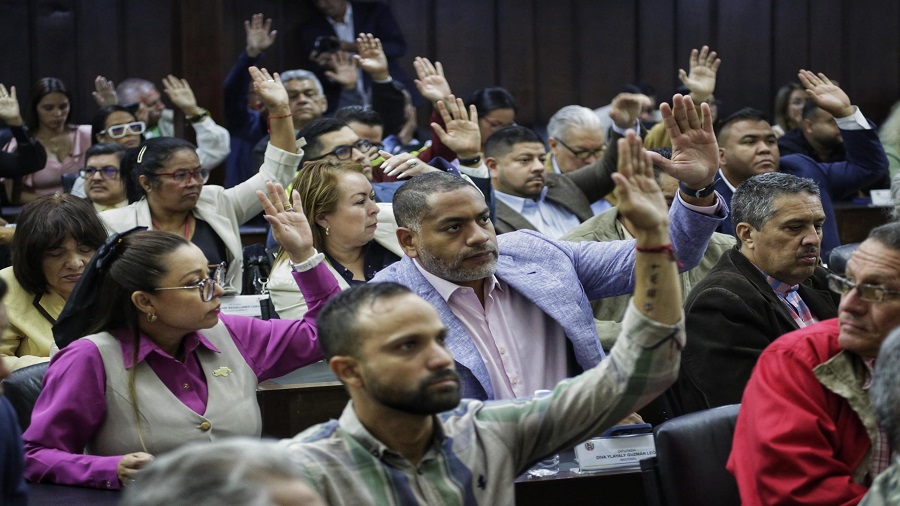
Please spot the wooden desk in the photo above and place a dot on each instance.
(854, 221)
(300, 400)
(621, 488)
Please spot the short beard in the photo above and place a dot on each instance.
(420, 401)
(454, 271)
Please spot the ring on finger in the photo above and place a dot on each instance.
(288, 207)
(412, 163)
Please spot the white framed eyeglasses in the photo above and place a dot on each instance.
(871, 293)
(206, 286)
(119, 131)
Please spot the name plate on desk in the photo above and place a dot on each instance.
(881, 198)
(244, 305)
(615, 453)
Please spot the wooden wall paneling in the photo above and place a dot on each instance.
(826, 38)
(53, 46)
(872, 64)
(98, 46)
(416, 21)
(151, 35)
(607, 40)
(15, 60)
(200, 46)
(557, 60)
(791, 32)
(657, 61)
(465, 43)
(695, 25)
(516, 55)
(744, 40)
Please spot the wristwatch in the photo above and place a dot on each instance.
(197, 118)
(471, 162)
(701, 192)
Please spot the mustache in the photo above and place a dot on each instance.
(441, 376)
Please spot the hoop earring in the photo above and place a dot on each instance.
(151, 317)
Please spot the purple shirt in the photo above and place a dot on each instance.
(72, 405)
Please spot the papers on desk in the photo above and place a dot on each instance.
(617, 452)
(244, 305)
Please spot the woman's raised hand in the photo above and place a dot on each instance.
(290, 228)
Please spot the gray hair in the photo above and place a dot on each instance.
(569, 117)
(131, 89)
(234, 471)
(411, 200)
(753, 200)
(885, 391)
(302, 75)
(887, 234)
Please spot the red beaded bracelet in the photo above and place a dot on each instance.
(268, 128)
(665, 248)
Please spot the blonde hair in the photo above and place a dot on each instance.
(317, 184)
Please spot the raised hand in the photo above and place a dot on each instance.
(626, 108)
(290, 227)
(181, 94)
(260, 35)
(404, 165)
(702, 77)
(270, 91)
(431, 82)
(371, 57)
(695, 152)
(461, 132)
(342, 69)
(104, 92)
(641, 200)
(9, 106)
(826, 94)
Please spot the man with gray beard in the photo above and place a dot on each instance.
(517, 307)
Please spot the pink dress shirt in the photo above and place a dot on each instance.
(523, 348)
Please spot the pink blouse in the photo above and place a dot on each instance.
(49, 179)
(72, 405)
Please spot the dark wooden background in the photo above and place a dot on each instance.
(548, 53)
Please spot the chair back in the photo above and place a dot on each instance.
(837, 259)
(691, 454)
(22, 388)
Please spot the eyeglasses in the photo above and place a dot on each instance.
(344, 152)
(583, 154)
(206, 286)
(106, 172)
(119, 131)
(871, 293)
(183, 176)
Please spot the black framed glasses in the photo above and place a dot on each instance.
(583, 154)
(871, 293)
(106, 172)
(184, 175)
(344, 152)
(119, 131)
(206, 286)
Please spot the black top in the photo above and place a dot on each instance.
(375, 258)
(209, 242)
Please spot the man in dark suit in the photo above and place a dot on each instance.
(343, 21)
(747, 146)
(768, 285)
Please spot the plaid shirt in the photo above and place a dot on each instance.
(788, 296)
(480, 447)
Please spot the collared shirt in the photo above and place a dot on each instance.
(344, 29)
(480, 447)
(881, 447)
(103, 207)
(791, 299)
(598, 206)
(523, 348)
(549, 218)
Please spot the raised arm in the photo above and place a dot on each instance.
(704, 65)
(387, 99)
(30, 155)
(213, 141)
(271, 91)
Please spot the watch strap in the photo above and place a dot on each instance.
(699, 192)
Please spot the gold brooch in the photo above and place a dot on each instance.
(222, 371)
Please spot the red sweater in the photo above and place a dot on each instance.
(796, 441)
